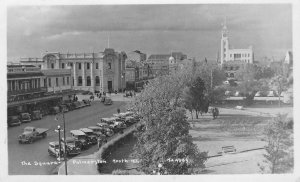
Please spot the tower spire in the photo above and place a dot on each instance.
(108, 41)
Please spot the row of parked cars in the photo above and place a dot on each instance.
(257, 94)
(83, 138)
(25, 117)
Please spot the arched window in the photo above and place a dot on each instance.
(88, 81)
(97, 81)
(231, 75)
(79, 81)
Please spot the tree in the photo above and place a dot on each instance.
(279, 84)
(194, 97)
(279, 150)
(165, 134)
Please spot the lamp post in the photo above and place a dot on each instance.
(65, 146)
(59, 142)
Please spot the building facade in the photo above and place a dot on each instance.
(95, 72)
(233, 59)
(138, 71)
(57, 80)
(163, 64)
(24, 82)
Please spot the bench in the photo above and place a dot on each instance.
(228, 149)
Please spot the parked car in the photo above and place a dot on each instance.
(87, 102)
(103, 125)
(90, 135)
(31, 134)
(109, 121)
(129, 120)
(106, 128)
(13, 121)
(108, 101)
(77, 105)
(54, 110)
(36, 115)
(73, 146)
(109, 132)
(98, 131)
(80, 136)
(53, 149)
(25, 117)
(64, 108)
(70, 106)
(118, 126)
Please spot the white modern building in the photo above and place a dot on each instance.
(233, 59)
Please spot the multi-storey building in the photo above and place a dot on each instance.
(138, 72)
(57, 80)
(162, 64)
(26, 90)
(233, 59)
(24, 83)
(95, 72)
(136, 56)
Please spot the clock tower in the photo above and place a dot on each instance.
(224, 43)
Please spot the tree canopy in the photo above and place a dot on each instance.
(166, 132)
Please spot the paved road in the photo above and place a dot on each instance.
(18, 153)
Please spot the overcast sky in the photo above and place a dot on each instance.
(192, 29)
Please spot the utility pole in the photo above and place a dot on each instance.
(65, 154)
(59, 142)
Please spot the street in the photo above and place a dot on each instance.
(20, 156)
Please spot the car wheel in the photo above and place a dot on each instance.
(44, 135)
(30, 140)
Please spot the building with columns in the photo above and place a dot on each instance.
(95, 72)
(233, 59)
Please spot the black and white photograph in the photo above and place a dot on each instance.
(197, 89)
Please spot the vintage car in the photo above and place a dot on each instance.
(103, 125)
(30, 134)
(109, 132)
(25, 117)
(54, 110)
(73, 146)
(80, 136)
(98, 131)
(36, 115)
(108, 101)
(13, 121)
(87, 102)
(129, 120)
(64, 108)
(109, 121)
(90, 135)
(118, 126)
(53, 149)
(77, 105)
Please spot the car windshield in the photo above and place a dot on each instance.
(81, 136)
(28, 129)
(70, 142)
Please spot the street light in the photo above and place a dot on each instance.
(59, 142)
(65, 145)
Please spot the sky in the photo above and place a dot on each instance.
(194, 29)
